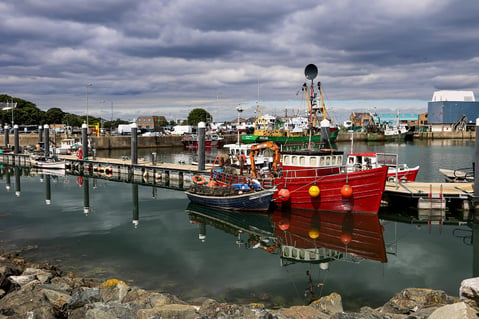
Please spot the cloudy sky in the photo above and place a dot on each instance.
(167, 57)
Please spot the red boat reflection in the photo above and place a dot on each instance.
(321, 236)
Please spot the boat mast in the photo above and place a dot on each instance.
(258, 105)
(311, 71)
(323, 107)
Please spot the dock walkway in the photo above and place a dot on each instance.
(116, 167)
(431, 195)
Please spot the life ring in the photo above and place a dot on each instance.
(198, 180)
(79, 154)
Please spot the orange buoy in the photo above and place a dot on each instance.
(314, 191)
(284, 194)
(313, 233)
(283, 224)
(346, 191)
(346, 238)
(212, 183)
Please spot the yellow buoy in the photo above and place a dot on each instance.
(313, 233)
(314, 191)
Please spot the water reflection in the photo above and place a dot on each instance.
(48, 191)
(85, 183)
(349, 254)
(322, 237)
(298, 236)
(136, 213)
(17, 181)
(7, 179)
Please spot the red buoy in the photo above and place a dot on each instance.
(283, 224)
(346, 191)
(283, 194)
(346, 238)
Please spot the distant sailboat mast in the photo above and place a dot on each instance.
(258, 105)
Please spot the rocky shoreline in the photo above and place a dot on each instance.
(43, 291)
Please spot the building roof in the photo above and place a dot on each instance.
(458, 96)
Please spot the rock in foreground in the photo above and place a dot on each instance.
(43, 291)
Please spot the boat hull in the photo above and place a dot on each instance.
(248, 201)
(367, 190)
(289, 140)
(48, 165)
(194, 144)
(404, 175)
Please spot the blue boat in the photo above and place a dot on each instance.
(235, 197)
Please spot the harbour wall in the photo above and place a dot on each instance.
(346, 137)
(124, 142)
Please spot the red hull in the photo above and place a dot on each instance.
(194, 144)
(408, 176)
(356, 234)
(367, 185)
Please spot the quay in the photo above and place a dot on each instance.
(124, 142)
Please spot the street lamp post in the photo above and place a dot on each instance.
(239, 109)
(87, 86)
(111, 119)
(101, 118)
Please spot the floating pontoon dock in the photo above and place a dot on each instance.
(430, 195)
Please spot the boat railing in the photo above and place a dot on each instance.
(464, 173)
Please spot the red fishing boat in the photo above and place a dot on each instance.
(312, 179)
(396, 172)
(211, 140)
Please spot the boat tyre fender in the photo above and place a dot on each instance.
(392, 179)
(198, 180)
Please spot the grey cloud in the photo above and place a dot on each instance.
(178, 53)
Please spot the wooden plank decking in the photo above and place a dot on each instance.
(434, 190)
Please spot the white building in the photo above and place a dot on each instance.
(456, 96)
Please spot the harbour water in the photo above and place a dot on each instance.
(147, 237)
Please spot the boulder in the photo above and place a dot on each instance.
(57, 298)
(212, 309)
(300, 312)
(329, 304)
(26, 299)
(469, 292)
(171, 311)
(82, 297)
(22, 280)
(42, 275)
(100, 310)
(459, 310)
(113, 290)
(411, 300)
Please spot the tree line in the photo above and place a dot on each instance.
(27, 113)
